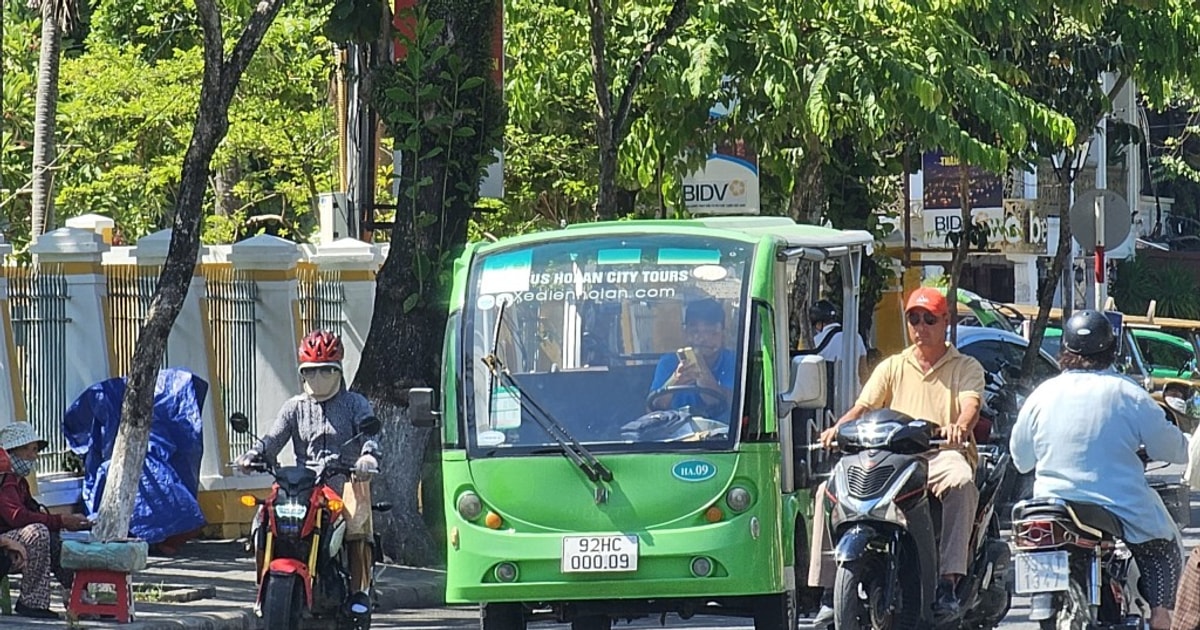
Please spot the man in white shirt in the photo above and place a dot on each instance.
(828, 339)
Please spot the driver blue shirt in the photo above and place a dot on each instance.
(723, 370)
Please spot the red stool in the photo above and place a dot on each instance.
(122, 609)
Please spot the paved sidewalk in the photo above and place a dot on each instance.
(223, 572)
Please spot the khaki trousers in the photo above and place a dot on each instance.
(952, 480)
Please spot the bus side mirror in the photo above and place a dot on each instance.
(420, 408)
(808, 382)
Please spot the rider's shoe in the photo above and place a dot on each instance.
(947, 600)
(824, 618)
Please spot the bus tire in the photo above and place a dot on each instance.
(501, 616)
(591, 622)
(776, 612)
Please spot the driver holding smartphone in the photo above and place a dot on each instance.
(699, 376)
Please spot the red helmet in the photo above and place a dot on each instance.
(321, 347)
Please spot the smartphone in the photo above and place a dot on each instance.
(687, 356)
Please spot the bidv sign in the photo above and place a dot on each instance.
(726, 185)
(1017, 228)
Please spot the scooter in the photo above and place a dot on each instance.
(1072, 562)
(305, 569)
(882, 520)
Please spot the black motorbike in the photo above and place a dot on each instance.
(882, 521)
(1070, 558)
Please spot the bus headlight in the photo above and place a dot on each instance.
(469, 506)
(738, 499)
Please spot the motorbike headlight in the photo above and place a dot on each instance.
(291, 510)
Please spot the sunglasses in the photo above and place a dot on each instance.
(313, 371)
(916, 318)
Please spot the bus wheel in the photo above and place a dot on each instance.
(772, 612)
(592, 622)
(501, 617)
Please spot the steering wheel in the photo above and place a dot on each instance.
(722, 398)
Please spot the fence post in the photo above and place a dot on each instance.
(271, 262)
(355, 263)
(187, 347)
(97, 223)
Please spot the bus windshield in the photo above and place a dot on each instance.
(624, 342)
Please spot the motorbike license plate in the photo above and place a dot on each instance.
(1043, 572)
(599, 554)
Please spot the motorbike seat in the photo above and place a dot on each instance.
(1088, 514)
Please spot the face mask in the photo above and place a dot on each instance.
(22, 467)
(322, 384)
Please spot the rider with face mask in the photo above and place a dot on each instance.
(322, 424)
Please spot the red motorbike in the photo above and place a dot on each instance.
(305, 568)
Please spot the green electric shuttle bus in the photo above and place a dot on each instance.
(626, 429)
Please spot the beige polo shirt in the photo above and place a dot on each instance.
(899, 383)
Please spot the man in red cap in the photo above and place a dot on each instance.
(930, 380)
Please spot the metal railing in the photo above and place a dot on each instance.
(231, 298)
(321, 296)
(129, 291)
(37, 302)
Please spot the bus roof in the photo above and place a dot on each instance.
(749, 228)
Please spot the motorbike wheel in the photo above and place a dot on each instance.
(591, 622)
(283, 601)
(851, 612)
(1072, 610)
(504, 616)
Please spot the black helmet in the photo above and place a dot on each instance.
(1088, 332)
(823, 312)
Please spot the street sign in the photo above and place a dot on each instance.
(1117, 220)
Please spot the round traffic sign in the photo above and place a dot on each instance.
(1117, 220)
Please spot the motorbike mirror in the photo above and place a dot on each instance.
(370, 426)
(239, 422)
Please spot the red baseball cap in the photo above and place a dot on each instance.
(929, 299)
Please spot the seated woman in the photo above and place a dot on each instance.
(25, 522)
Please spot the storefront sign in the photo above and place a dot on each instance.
(1016, 228)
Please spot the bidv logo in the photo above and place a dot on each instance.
(714, 191)
(694, 470)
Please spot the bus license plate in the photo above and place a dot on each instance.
(596, 554)
(1043, 572)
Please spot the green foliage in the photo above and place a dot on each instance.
(1174, 288)
(19, 58)
(354, 21)
(128, 101)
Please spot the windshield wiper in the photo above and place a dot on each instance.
(571, 448)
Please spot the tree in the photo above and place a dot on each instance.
(57, 16)
(221, 77)
(446, 117)
(613, 121)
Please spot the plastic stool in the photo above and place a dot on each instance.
(122, 609)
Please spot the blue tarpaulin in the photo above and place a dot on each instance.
(166, 502)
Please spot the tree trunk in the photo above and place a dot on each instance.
(45, 113)
(809, 195)
(438, 194)
(219, 82)
(1046, 291)
(960, 248)
(223, 182)
(613, 122)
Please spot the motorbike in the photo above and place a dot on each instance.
(1003, 396)
(1069, 557)
(882, 521)
(305, 569)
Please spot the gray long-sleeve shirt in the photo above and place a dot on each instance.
(318, 430)
(1081, 431)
